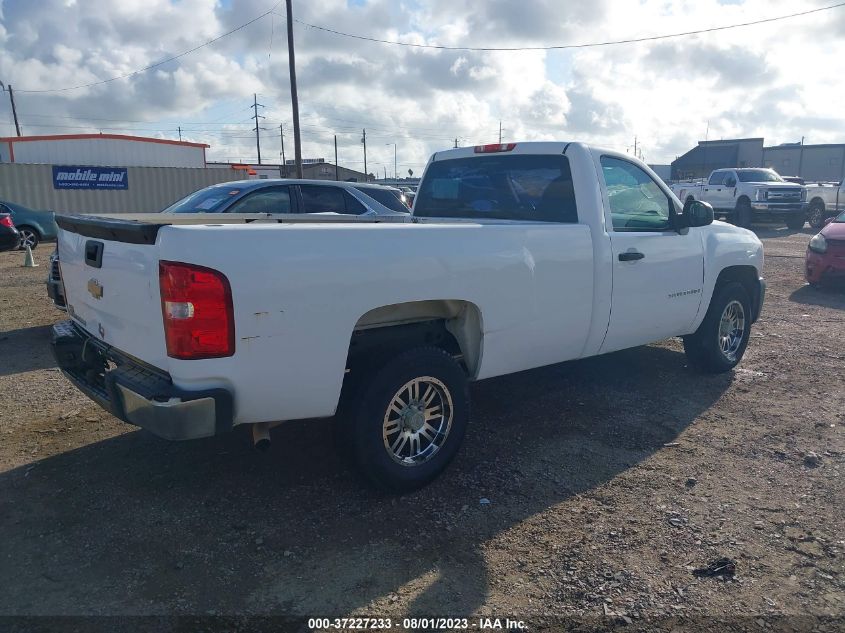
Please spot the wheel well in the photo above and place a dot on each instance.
(745, 275)
(743, 199)
(454, 326)
(817, 200)
(32, 228)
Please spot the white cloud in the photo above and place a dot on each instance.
(777, 80)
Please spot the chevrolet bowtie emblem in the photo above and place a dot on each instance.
(95, 289)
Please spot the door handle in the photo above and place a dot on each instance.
(630, 256)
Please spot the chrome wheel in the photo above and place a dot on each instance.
(417, 421)
(731, 329)
(28, 238)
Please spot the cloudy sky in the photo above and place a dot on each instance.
(781, 80)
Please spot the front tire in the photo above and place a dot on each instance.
(720, 341)
(743, 214)
(407, 420)
(795, 221)
(815, 216)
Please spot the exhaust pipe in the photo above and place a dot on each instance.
(261, 436)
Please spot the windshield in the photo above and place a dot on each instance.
(208, 200)
(840, 217)
(758, 175)
(385, 197)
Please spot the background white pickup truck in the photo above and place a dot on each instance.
(824, 201)
(518, 256)
(749, 194)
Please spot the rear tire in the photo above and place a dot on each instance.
(795, 221)
(743, 214)
(815, 215)
(720, 341)
(406, 420)
(29, 236)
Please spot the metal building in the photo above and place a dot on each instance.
(821, 163)
(101, 150)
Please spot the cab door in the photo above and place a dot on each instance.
(717, 190)
(658, 273)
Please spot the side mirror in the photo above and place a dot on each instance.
(828, 221)
(730, 183)
(697, 213)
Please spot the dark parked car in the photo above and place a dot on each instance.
(9, 235)
(34, 226)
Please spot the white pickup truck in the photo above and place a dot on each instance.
(749, 194)
(517, 256)
(824, 201)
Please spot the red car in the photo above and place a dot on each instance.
(826, 253)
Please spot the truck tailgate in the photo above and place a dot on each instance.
(112, 291)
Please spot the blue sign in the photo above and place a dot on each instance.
(72, 177)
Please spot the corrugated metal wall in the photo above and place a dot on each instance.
(150, 189)
(103, 151)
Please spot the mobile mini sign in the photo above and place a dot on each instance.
(73, 177)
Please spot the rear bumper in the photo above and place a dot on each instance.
(138, 394)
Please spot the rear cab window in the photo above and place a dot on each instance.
(535, 188)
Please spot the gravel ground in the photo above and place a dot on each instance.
(590, 489)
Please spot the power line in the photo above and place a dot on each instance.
(159, 63)
(569, 46)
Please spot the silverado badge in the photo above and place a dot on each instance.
(95, 289)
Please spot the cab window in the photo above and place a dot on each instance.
(718, 177)
(636, 201)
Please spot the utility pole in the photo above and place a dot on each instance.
(297, 145)
(456, 143)
(800, 158)
(284, 165)
(500, 131)
(364, 141)
(14, 109)
(180, 132)
(635, 146)
(395, 175)
(257, 116)
(335, 158)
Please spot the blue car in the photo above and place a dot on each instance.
(34, 226)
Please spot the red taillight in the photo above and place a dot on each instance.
(6, 220)
(196, 304)
(495, 147)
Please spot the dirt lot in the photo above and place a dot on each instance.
(608, 481)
